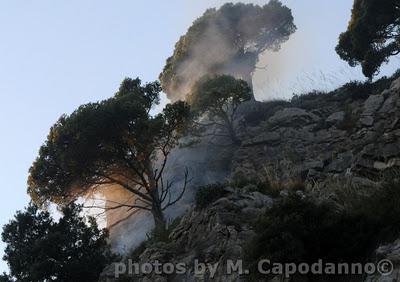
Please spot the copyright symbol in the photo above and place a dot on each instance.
(385, 267)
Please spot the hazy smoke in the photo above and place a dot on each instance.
(206, 164)
(211, 50)
(226, 41)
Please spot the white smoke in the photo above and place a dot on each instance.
(206, 164)
(211, 50)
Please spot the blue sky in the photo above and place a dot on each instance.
(57, 55)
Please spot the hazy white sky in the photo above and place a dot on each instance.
(57, 55)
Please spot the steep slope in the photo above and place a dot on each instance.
(325, 142)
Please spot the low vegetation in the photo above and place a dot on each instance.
(298, 229)
(208, 194)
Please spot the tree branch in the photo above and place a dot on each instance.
(186, 182)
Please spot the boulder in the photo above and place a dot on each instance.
(264, 138)
(389, 106)
(293, 116)
(367, 120)
(341, 163)
(336, 118)
(395, 86)
(391, 254)
(372, 104)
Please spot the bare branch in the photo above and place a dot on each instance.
(118, 207)
(127, 187)
(186, 182)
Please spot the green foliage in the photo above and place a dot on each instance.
(383, 209)
(373, 35)
(242, 182)
(235, 33)
(115, 141)
(351, 91)
(40, 249)
(208, 194)
(309, 100)
(358, 90)
(218, 95)
(154, 237)
(297, 229)
(218, 98)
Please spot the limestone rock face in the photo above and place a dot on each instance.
(336, 117)
(389, 252)
(327, 137)
(339, 137)
(293, 116)
(212, 235)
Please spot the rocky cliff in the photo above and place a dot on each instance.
(321, 136)
(350, 136)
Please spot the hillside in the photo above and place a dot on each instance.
(340, 148)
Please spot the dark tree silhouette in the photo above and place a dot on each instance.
(113, 142)
(40, 249)
(216, 99)
(227, 40)
(373, 35)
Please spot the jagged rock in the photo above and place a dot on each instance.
(390, 252)
(336, 117)
(213, 235)
(298, 145)
(292, 144)
(380, 165)
(362, 182)
(372, 104)
(389, 106)
(313, 164)
(388, 150)
(395, 87)
(108, 274)
(394, 162)
(266, 137)
(367, 120)
(341, 163)
(293, 116)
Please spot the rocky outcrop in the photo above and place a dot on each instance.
(293, 117)
(212, 235)
(337, 137)
(389, 253)
(340, 138)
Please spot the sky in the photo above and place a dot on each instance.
(57, 55)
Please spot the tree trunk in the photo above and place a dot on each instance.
(248, 77)
(236, 141)
(232, 133)
(160, 224)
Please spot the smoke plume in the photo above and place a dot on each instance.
(225, 41)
